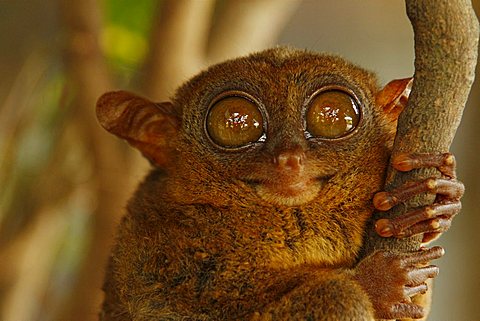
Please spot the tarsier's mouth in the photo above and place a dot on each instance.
(291, 192)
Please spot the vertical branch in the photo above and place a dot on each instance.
(23, 302)
(178, 42)
(182, 42)
(246, 26)
(446, 43)
(89, 77)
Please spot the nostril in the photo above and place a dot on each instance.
(291, 160)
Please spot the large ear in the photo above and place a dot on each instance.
(394, 96)
(145, 125)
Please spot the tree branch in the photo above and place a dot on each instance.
(246, 26)
(178, 42)
(89, 78)
(183, 29)
(446, 41)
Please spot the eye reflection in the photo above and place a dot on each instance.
(234, 122)
(332, 114)
(238, 120)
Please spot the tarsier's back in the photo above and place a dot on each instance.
(264, 171)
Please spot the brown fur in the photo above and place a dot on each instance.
(198, 243)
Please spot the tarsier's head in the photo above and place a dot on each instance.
(278, 127)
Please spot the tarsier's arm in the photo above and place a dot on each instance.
(429, 221)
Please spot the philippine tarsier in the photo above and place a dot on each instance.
(264, 171)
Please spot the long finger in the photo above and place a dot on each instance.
(399, 225)
(418, 276)
(423, 256)
(452, 189)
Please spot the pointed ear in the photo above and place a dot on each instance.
(143, 124)
(394, 96)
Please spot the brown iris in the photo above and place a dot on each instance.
(234, 122)
(332, 114)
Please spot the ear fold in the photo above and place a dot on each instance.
(394, 96)
(143, 124)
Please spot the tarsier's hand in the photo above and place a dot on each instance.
(391, 279)
(431, 220)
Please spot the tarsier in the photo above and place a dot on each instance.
(264, 172)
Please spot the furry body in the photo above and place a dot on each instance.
(200, 242)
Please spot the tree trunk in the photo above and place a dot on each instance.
(446, 43)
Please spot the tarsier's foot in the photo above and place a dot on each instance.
(431, 220)
(392, 279)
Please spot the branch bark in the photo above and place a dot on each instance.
(446, 43)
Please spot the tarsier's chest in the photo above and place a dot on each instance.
(295, 236)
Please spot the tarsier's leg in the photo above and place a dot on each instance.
(324, 296)
(432, 220)
(380, 286)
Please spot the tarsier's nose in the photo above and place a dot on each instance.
(290, 159)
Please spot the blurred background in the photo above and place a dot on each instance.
(64, 181)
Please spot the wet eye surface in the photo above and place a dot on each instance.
(332, 114)
(234, 122)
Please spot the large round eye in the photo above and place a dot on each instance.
(332, 114)
(234, 122)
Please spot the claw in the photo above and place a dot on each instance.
(404, 163)
(383, 201)
(384, 228)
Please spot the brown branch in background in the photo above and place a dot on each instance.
(15, 117)
(181, 34)
(446, 43)
(87, 72)
(33, 257)
(246, 26)
(177, 46)
(179, 37)
(14, 108)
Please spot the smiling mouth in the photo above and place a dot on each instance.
(290, 193)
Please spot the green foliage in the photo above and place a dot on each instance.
(127, 26)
